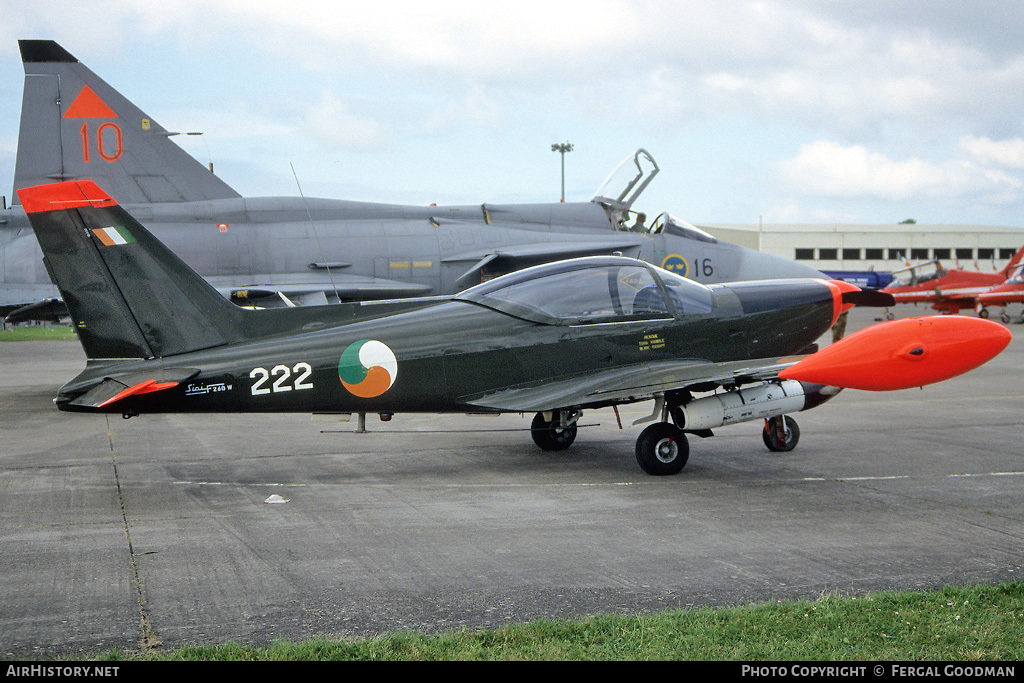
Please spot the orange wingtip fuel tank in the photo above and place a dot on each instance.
(904, 353)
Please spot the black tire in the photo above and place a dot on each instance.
(550, 436)
(792, 436)
(662, 449)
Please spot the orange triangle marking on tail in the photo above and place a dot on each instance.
(88, 105)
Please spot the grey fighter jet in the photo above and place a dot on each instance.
(282, 251)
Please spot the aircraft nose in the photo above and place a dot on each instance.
(840, 304)
(756, 265)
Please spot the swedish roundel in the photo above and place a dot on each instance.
(367, 368)
(676, 264)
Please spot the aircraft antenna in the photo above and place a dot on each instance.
(327, 265)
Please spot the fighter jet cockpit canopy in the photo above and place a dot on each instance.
(597, 289)
(621, 189)
(915, 277)
(671, 225)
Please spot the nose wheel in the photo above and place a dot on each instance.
(662, 449)
(780, 434)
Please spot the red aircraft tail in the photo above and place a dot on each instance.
(1014, 262)
(901, 354)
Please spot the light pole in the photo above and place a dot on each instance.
(563, 149)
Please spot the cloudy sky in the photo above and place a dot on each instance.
(850, 112)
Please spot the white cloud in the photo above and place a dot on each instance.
(464, 35)
(330, 121)
(1005, 153)
(830, 169)
(476, 107)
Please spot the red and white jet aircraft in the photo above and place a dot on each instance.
(950, 290)
(1009, 292)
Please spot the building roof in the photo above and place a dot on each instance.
(909, 228)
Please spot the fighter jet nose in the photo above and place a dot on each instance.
(841, 303)
(756, 265)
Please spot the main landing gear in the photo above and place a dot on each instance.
(662, 447)
(555, 431)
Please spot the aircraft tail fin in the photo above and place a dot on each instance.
(74, 126)
(128, 295)
(1014, 262)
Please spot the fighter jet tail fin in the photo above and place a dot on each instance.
(76, 127)
(128, 295)
(1014, 262)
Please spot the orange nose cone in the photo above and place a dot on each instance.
(904, 353)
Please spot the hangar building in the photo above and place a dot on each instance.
(852, 247)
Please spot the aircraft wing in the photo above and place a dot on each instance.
(516, 257)
(44, 309)
(261, 294)
(343, 287)
(631, 383)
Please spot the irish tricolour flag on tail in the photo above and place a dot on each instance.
(116, 234)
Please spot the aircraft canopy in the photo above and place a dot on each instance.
(592, 290)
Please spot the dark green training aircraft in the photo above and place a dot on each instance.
(554, 339)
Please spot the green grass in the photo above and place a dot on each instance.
(977, 623)
(17, 334)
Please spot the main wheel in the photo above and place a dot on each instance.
(789, 437)
(662, 449)
(551, 436)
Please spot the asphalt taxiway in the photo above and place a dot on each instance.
(163, 529)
